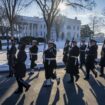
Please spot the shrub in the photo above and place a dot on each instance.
(28, 39)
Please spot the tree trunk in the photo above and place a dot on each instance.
(57, 35)
(11, 29)
(48, 36)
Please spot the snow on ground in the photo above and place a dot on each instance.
(60, 45)
(3, 56)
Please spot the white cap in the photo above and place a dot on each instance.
(34, 41)
(50, 42)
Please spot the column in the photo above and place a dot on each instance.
(28, 29)
(32, 29)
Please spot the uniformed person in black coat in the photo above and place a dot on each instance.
(66, 52)
(33, 55)
(20, 69)
(49, 60)
(91, 55)
(0, 45)
(82, 53)
(96, 54)
(11, 56)
(72, 64)
(102, 61)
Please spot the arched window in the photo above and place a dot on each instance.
(73, 27)
(68, 27)
(77, 27)
(68, 35)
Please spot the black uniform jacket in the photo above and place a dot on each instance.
(73, 58)
(82, 50)
(65, 53)
(11, 55)
(34, 51)
(20, 67)
(102, 61)
(50, 57)
(91, 55)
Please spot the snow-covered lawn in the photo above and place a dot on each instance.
(3, 56)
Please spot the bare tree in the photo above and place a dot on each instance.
(95, 24)
(58, 24)
(103, 18)
(2, 14)
(50, 9)
(80, 4)
(86, 31)
(11, 9)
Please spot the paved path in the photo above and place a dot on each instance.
(83, 92)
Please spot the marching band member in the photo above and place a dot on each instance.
(102, 61)
(82, 53)
(50, 64)
(72, 64)
(91, 55)
(33, 55)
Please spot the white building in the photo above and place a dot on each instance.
(36, 27)
(71, 29)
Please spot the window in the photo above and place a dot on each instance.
(77, 35)
(41, 33)
(68, 27)
(77, 27)
(68, 35)
(73, 27)
(44, 26)
(41, 26)
(44, 33)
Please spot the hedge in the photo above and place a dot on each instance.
(28, 39)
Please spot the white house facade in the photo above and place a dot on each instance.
(36, 27)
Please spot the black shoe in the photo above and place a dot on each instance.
(18, 91)
(31, 73)
(80, 67)
(95, 75)
(77, 77)
(8, 76)
(27, 88)
(65, 69)
(47, 85)
(71, 81)
(101, 75)
(86, 78)
(58, 81)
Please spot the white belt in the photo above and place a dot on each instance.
(33, 53)
(74, 57)
(50, 59)
(82, 50)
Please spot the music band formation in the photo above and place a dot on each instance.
(74, 59)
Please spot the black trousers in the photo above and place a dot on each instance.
(102, 70)
(33, 64)
(11, 69)
(82, 60)
(21, 83)
(88, 69)
(49, 72)
(74, 72)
